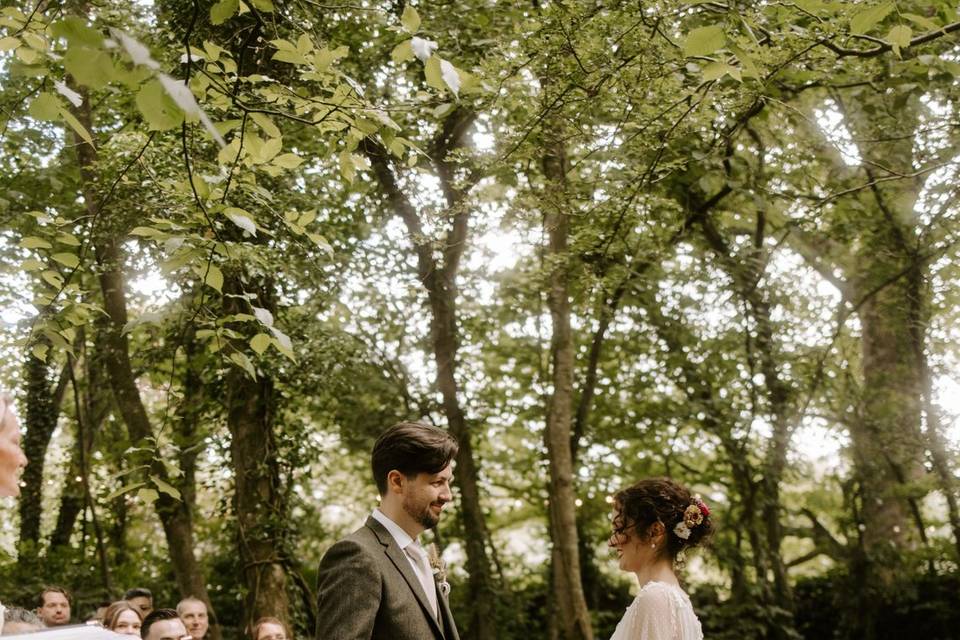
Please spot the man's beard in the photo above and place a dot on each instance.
(424, 517)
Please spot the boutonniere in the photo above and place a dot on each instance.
(439, 569)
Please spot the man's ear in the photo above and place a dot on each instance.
(395, 481)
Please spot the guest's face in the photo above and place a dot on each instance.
(425, 495)
(128, 624)
(167, 630)
(55, 610)
(271, 631)
(194, 616)
(12, 459)
(143, 604)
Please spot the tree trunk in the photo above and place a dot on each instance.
(439, 281)
(258, 496)
(43, 410)
(570, 599)
(177, 525)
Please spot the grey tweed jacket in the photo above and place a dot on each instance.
(368, 591)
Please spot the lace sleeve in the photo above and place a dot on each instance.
(652, 616)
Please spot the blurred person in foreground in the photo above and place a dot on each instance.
(163, 624)
(141, 598)
(270, 628)
(193, 612)
(17, 620)
(12, 459)
(53, 606)
(655, 521)
(124, 618)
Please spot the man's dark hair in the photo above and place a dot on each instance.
(52, 588)
(411, 448)
(157, 615)
(138, 592)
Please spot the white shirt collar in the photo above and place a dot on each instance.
(402, 537)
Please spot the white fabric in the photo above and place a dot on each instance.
(419, 555)
(660, 611)
(416, 556)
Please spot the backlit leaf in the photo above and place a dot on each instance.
(67, 259)
(223, 11)
(865, 20)
(410, 20)
(260, 342)
(33, 242)
(704, 41)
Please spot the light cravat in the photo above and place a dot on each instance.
(419, 556)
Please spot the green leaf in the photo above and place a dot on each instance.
(347, 168)
(242, 219)
(242, 360)
(45, 106)
(91, 67)
(9, 43)
(266, 124)
(39, 351)
(76, 126)
(288, 161)
(223, 11)
(68, 238)
(31, 264)
(148, 495)
(68, 260)
(122, 490)
(213, 277)
(33, 242)
(716, 70)
(166, 487)
(410, 20)
(263, 5)
(53, 279)
(899, 37)
(704, 41)
(432, 73)
(157, 108)
(864, 21)
(76, 31)
(321, 242)
(402, 52)
(260, 342)
(922, 21)
(146, 232)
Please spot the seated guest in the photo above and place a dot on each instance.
(53, 606)
(124, 618)
(17, 620)
(269, 628)
(98, 614)
(141, 598)
(163, 624)
(193, 612)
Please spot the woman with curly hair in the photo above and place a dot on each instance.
(653, 522)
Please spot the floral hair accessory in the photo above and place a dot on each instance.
(693, 517)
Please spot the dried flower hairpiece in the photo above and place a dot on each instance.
(693, 517)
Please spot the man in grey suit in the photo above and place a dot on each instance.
(378, 583)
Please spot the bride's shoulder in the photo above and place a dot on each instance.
(656, 594)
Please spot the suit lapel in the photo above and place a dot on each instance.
(446, 616)
(402, 564)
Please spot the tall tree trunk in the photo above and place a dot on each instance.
(259, 500)
(439, 281)
(568, 587)
(43, 409)
(177, 525)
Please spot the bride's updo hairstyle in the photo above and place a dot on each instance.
(684, 516)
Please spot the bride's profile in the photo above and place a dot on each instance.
(654, 521)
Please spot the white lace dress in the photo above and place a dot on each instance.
(660, 611)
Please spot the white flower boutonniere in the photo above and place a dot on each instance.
(439, 569)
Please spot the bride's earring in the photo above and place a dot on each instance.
(653, 545)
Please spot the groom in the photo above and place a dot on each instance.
(378, 582)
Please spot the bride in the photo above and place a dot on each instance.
(653, 521)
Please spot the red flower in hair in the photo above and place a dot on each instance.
(704, 509)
